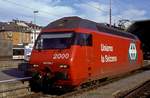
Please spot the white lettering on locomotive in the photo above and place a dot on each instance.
(61, 56)
(107, 49)
(108, 58)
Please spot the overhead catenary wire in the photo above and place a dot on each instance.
(28, 7)
(99, 9)
(52, 14)
(95, 7)
(48, 13)
(33, 9)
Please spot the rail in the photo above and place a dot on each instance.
(16, 79)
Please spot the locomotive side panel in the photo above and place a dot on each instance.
(109, 55)
(114, 55)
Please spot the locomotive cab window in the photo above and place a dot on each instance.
(83, 39)
(54, 41)
(62, 40)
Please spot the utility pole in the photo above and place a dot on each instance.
(34, 35)
(110, 13)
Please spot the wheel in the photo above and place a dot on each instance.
(35, 83)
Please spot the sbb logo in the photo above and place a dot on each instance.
(132, 51)
(61, 56)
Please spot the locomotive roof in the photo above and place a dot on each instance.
(77, 22)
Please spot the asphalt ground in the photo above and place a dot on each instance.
(116, 88)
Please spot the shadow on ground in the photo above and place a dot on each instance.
(14, 72)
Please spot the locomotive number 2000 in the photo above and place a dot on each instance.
(61, 56)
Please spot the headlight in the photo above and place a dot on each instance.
(35, 65)
(63, 66)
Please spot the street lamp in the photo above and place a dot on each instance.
(34, 35)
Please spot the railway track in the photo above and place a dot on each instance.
(142, 91)
(89, 87)
(14, 90)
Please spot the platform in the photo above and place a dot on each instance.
(113, 89)
(6, 64)
(12, 82)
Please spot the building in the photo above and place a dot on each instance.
(29, 31)
(35, 29)
(16, 33)
(5, 42)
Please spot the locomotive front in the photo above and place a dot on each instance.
(53, 55)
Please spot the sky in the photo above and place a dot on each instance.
(95, 10)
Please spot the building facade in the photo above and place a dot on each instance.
(5, 45)
(16, 33)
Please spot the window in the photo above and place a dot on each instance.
(54, 41)
(18, 51)
(83, 39)
(62, 40)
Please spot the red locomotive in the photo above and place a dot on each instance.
(72, 51)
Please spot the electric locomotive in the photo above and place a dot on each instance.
(72, 51)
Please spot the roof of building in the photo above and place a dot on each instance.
(18, 26)
(138, 25)
(142, 30)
